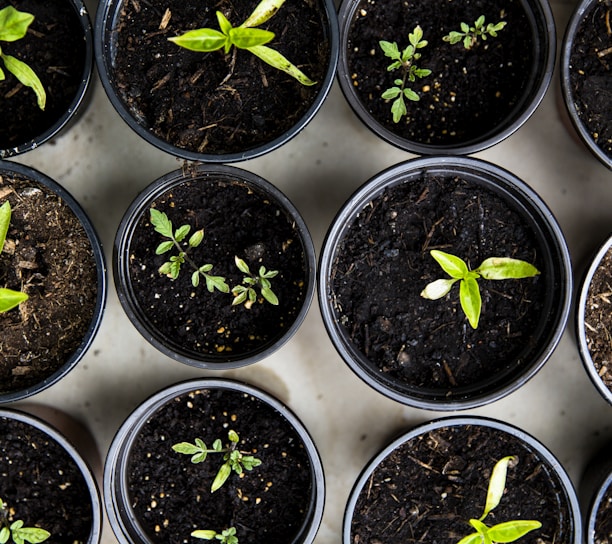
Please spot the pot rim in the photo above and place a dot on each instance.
(543, 24)
(455, 421)
(105, 17)
(122, 520)
(494, 178)
(62, 122)
(100, 263)
(121, 263)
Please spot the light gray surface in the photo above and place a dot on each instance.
(104, 164)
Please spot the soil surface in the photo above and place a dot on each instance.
(171, 496)
(215, 103)
(603, 521)
(383, 264)
(237, 221)
(47, 255)
(428, 489)
(591, 73)
(42, 485)
(54, 49)
(598, 320)
(469, 92)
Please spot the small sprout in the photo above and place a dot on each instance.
(469, 35)
(9, 299)
(14, 26)
(16, 533)
(245, 36)
(494, 268)
(508, 531)
(404, 60)
(246, 293)
(227, 536)
(235, 460)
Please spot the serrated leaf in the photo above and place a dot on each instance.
(164, 247)
(185, 448)
(239, 297)
(390, 49)
(416, 35)
(398, 109)
(33, 535)
(162, 224)
(199, 457)
(217, 445)
(216, 282)
(479, 22)
(471, 302)
(181, 233)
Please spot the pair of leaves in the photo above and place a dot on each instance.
(227, 536)
(9, 298)
(469, 35)
(246, 293)
(245, 36)
(494, 268)
(14, 26)
(17, 532)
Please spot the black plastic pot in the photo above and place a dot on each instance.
(575, 105)
(538, 79)
(452, 463)
(25, 433)
(106, 50)
(594, 493)
(128, 528)
(50, 127)
(584, 330)
(232, 222)
(8, 168)
(530, 353)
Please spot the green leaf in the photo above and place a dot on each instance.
(2, 78)
(390, 49)
(416, 36)
(497, 484)
(221, 477)
(204, 534)
(216, 282)
(438, 288)
(33, 535)
(267, 274)
(453, 37)
(465, 27)
(164, 247)
(27, 77)
(263, 12)
(233, 437)
(421, 72)
(468, 42)
(240, 296)
(218, 445)
(479, 22)
(452, 265)
(474, 538)
(503, 268)
(249, 462)
(398, 109)
(186, 448)
(471, 303)
(195, 278)
(224, 24)
(411, 95)
(269, 295)
(242, 266)
(10, 299)
(162, 224)
(14, 24)
(165, 269)
(181, 233)
(5, 220)
(205, 268)
(510, 531)
(245, 38)
(391, 93)
(202, 40)
(4, 535)
(196, 238)
(175, 269)
(278, 61)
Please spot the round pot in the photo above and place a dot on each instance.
(376, 261)
(46, 482)
(433, 479)
(591, 316)
(66, 28)
(262, 125)
(469, 113)
(595, 497)
(290, 500)
(242, 215)
(585, 77)
(61, 266)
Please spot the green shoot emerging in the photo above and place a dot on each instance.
(246, 293)
(470, 35)
(404, 60)
(13, 26)
(494, 268)
(508, 531)
(227, 536)
(15, 531)
(245, 36)
(235, 460)
(9, 299)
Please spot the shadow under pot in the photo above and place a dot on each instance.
(220, 105)
(414, 253)
(433, 481)
(52, 280)
(586, 76)
(595, 493)
(428, 95)
(214, 266)
(45, 483)
(57, 45)
(162, 474)
(593, 320)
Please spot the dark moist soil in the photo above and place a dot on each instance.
(211, 102)
(598, 320)
(603, 520)
(428, 489)
(237, 221)
(42, 485)
(171, 496)
(54, 48)
(48, 255)
(383, 264)
(591, 73)
(469, 93)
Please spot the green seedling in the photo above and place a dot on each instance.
(172, 267)
(14, 26)
(15, 531)
(9, 299)
(246, 292)
(227, 536)
(494, 268)
(508, 531)
(470, 35)
(404, 61)
(235, 460)
(245, 36)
